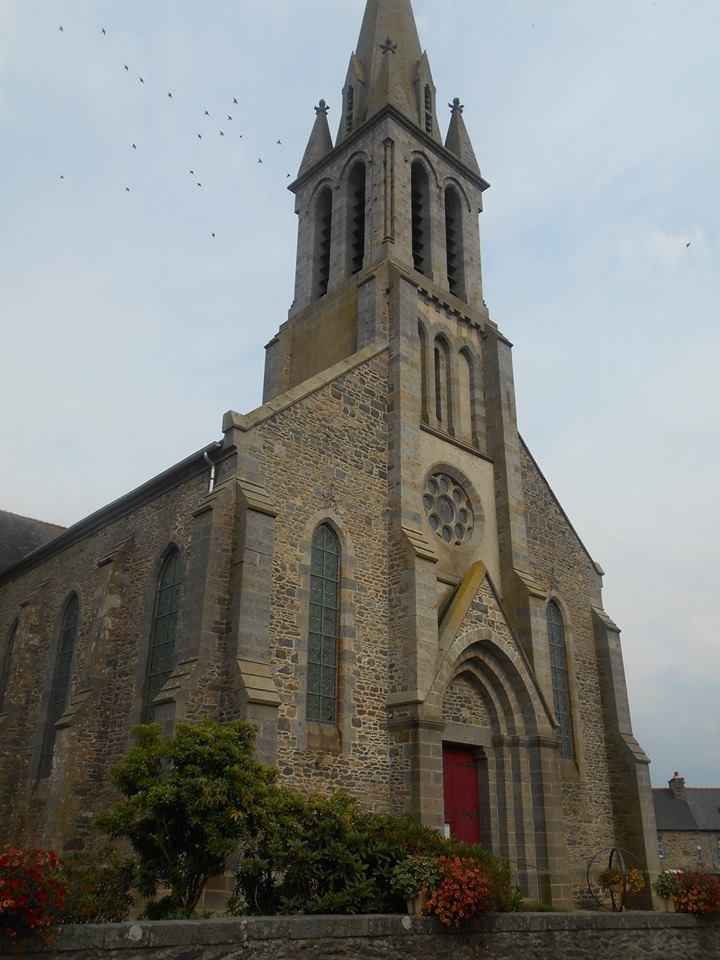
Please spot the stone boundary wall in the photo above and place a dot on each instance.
(580, 936)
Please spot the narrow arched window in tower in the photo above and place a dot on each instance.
(454, 242)
(443, 386)
(422, 336)
(323, 236)
(560, 679)
(324, 626)
(420, 190)
(60, 688)
(428, 109)
(163, 636)
(7, 664)
(349, 110)
(466, 397)
(356, 217)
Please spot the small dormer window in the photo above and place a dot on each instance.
(428, 109)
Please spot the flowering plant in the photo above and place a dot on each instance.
(697, 893)
(463, 892)
(31, 893)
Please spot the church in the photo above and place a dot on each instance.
(370, 567)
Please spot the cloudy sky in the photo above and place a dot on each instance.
(127, 330)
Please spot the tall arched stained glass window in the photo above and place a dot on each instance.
(7, 664)
(560, 679)
(324, 626)
(62, 674)
(161, 657)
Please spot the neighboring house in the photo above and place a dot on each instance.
(371, 567)
(20, 536)
(688, 823)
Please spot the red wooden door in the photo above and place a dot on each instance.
(462, 793)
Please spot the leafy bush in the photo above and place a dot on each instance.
(666, 885)
(415, 875)
(98, 887)
(463, 892)
(31, 892)
(189, 802)
(697, 893)
(325, 855)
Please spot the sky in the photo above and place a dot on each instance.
(127, 329)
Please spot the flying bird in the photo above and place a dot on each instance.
(222, 133)
(127, 68)
(199, 184)
(207, 113)
(199, 136)
(61, 29)
(62, 177)
(192, 173)
(127, 189)
(170, 96)
(134, 146)
(212, 235)
(260, 160)
(141, 80)
(688, 245)
(229, 117)
(235, 99)
(104, 32)
(279, 143)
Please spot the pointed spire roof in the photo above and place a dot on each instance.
(320, 143)
(388, 58)
(458, 139)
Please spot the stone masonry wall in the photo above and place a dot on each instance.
(628, 936)
(326, 459)
(566, 572)
(680, 850)
(114, 572)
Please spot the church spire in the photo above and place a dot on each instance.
(458, 139)
(320, 143)
(389, 68)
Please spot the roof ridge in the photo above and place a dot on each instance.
(22, 516)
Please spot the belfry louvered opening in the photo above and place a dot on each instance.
(323, 236)
(454, 242)
(420, 189)
(349, 110)
(356, 217)
(428, 109)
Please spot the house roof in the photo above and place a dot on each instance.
(698, 811)
(19, 536)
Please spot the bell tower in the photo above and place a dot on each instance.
(386, 192)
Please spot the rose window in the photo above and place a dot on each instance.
(448, 509)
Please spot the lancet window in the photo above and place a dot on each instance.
(60, 687)
(322, 685)
(161, 656)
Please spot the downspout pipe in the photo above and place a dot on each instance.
(213, 467)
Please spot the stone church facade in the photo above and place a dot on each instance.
(371, 567)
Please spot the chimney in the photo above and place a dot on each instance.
(677, 787)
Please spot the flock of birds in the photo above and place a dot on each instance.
(200, 135)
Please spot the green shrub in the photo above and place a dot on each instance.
(98, 887)
(189, 802)
(324, 855)
(414, 875)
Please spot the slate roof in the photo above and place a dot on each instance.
(19, 536)
(698, 812)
